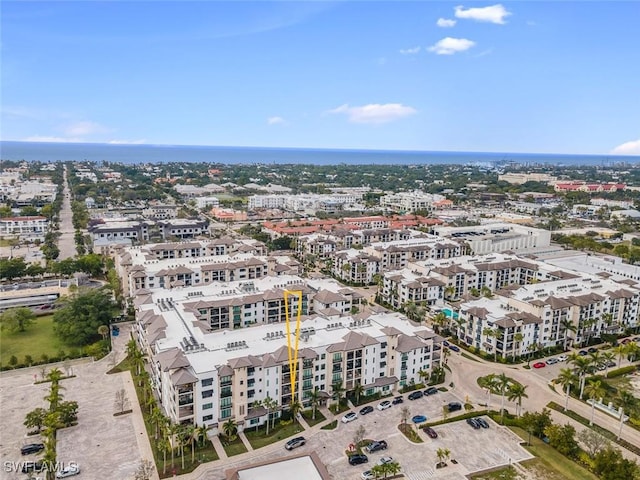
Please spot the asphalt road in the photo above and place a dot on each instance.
(66, 242)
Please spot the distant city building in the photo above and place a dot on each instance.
(182, 228)
(409, 202)
(157, 211)
(304, 202)
(204, 202)
(604, 202)
(588, 187)
(108, 232)
(520, 178)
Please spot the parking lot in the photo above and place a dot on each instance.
(473, 449)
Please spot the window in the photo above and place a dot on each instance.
(206, 382)
(207, 406)
(206, 418)
(207, 394)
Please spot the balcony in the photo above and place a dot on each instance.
(225, 392)
(185, 400)
(184, 412)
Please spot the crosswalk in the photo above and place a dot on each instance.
(425, 474)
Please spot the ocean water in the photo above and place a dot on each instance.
(98, 152)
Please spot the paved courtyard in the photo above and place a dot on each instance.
(104, 446)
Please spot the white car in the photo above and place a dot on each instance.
(69, 471)
(349, 417)
(367, 475)
(562, 358)
(385, 460)
(384, 405)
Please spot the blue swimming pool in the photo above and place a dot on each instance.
(449, 313)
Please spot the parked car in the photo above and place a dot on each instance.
(31, 448)
(430, 432)
(376, 446)
(431, 391)
(358, 459)
(552, 361)
(454, 348)
(563, 358)
(592, 350)
(482, 422)
(583, 353)
(365, 410)
(69, 471)
(349, 417)
(473, 423)
(367, 475)
(397, 400)
(384, 405)
(418, 419)
(416, 395)
(295, 443)
(385, 460)
(539, 365)
(454, 406)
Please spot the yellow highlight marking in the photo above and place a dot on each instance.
(293, 356)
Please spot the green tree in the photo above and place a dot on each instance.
(609, 464)
(562, 438)
(338, 392)
(536, 422)
(502, 385)
(229, 428)
(92, 263)
(12, 268)
(68, 412)
(17, 319)
(516, 393)
(35, 419)
(566, 379)
(78, 320)
(314, 398)
(628, 402)
(358, 390)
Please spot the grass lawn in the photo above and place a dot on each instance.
(234, 448)
(38, 339)
(259, 439)
(308, 416)
(551, 464)
(330, 426)
(498, 474)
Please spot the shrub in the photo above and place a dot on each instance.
(622, 371)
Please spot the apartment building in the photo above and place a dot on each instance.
(115, 231)
(160, 211)
(303, 202)
(521, 178)
(182, 228)
(24, 228)
(409, 202)
(355, 266)
(206, 377)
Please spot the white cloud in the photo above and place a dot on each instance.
(275, 121)
(449, 46)
(628, 148)
(492, 14)
(445, 22)
(410, 51)
(85, 127)
(375, 113)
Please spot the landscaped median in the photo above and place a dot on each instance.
(283, 429)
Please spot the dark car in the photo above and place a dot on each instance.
(31, 448)
(397, 400)
(431, 391)
(376, 446)
(473, 423)
(482, 422)
(358, 459)
(583, 353)
(592, 350)
(295, 443)
(430, 431)
(454, 406)
(416, 395)
(365, 410)
(37, 466)
(454, 348)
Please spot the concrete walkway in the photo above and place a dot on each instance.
(246, 442)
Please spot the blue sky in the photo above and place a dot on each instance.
(548, 77)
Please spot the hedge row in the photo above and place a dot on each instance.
(622, 371)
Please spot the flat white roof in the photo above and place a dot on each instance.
(293, 469)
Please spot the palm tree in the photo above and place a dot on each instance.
(410, 310)
(190, 435)
(566, 378)
(449, 292)
(594, 390)
(488, 382)
(502, 384)
(385, 469)
(229, 428)
(492, 333)
(517, 392)
(626, 402)
(607, 357)
(587, 325)
(422, 374)
(357, 391)
(314, 399)
(443, 454)
(567, 326)
(132, 346)
(104, 331)
(405, 413)
(582, 367)
(338, 391)
(439, 320)
(517, 340)
(270, 404)
(295, 407)
(201, 432)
